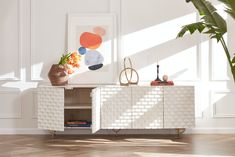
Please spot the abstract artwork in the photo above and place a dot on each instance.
(93, 36)
(90, 42)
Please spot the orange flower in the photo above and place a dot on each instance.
(70, 71)
(76, 65)
(70, 61)
(74, 54)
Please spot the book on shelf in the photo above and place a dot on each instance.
(77, 123)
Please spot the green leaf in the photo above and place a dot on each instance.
(216, 36)
(233, 60)
(233, 71)
(199, 26)
(209, 15)
(230, 7)
(64, 59)
(210, 31)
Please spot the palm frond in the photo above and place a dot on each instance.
(209, 15)
(213, 32)
(230, 7)
(199, 26)
(214, 23)
(233, 60)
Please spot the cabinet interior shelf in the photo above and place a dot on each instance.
(77, 127)
(77, 107)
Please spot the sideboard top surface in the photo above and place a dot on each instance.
(70, 86)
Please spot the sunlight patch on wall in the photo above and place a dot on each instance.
(8, 75)
(217, 97)
(154, 35)
(22, 86)
(180, 66)
(223, 104)
(36, 71)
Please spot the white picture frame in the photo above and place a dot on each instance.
(78, 25)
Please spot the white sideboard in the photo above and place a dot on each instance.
(117, 107)
(143, 107)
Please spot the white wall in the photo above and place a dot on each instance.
(33, 35)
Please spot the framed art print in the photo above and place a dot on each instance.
(94, 37)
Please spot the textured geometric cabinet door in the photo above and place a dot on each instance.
(95, 110)
(51, 108)
(115, 103)
(147, 107)
(179, 107)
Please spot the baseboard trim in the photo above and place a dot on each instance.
(210, 131)
(21, 131)
(29, 131)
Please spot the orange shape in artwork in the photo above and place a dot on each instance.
(90, 40)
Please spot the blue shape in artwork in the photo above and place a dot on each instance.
(82, 50)
(93, 57)
(95, 67)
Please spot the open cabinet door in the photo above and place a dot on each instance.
(95, 110)
(51, 108)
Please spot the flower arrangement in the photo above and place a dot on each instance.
(70, 61)
(59, 73)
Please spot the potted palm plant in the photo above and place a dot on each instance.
(213, 24)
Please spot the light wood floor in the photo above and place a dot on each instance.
(120, 146)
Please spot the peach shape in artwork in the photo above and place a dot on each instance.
(99, 30)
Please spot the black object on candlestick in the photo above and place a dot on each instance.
(158, 79)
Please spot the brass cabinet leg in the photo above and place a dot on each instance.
(52, 132)
(116, 131)
(179, 131)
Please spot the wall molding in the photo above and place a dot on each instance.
(12, 116)
(199, 116)
(115, 8)
(210, 131)
(214, 113)
(33, 40)
(212, 63)
(14, 131)
(20, 26)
